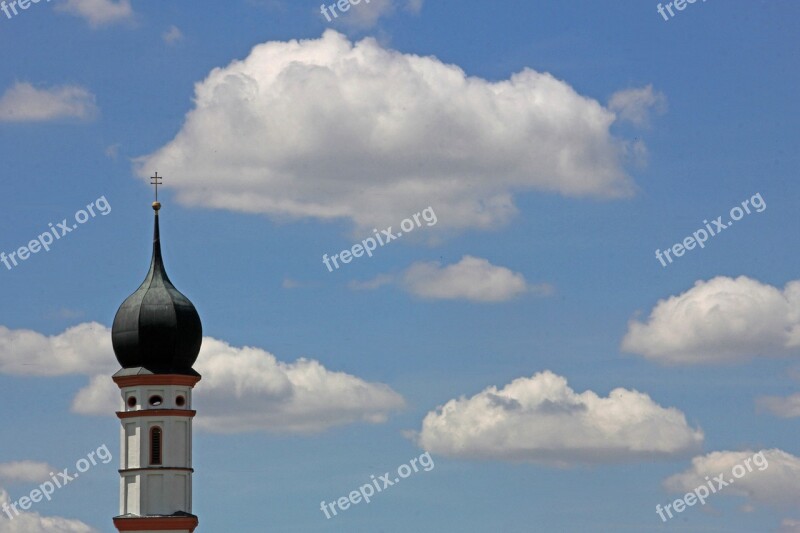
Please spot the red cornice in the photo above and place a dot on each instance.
(155, 469)
(189, 413)
(160, 523)
(156, 379)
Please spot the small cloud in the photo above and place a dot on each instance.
(31, 522)
(271, 5)
(25, 471)
(472, 278)
(414, 6)
(289, 283)
(790, 525)
(635, 152)
(82, 349)
(172, 35)
(113, 151)
(772, 479)
(362, 15)
(66, 314)
(372, 284)
(721, 320)
(788, 407)
(99, 12)
(635, 105)
(25, 103)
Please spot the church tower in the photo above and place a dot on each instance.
(156, 337)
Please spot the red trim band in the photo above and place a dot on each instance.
(156, 379)
(162, 523)
(156, 412)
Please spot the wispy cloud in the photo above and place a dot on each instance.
(363, 15)
(99, 12)
(25, 471)
(172, 35)
(777, 484)
(23, 102)
(636, 105)
(29, 522)
(472, 278)
(784, 407)
(372, 284)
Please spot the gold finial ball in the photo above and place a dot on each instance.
(156, 206)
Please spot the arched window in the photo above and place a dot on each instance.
(155, 445)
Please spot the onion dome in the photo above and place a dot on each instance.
(157, 328)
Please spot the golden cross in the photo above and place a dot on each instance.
(156, 180)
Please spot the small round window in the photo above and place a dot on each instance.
(156, 400)
(180, 401)
(132, 402)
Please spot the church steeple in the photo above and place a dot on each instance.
(157, 327)
(156, 337)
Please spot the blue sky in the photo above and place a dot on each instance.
(559, 145)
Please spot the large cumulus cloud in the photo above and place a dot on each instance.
(330, 129)
(541, 419)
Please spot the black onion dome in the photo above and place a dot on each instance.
(157, 327)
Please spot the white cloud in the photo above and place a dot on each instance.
(291, 283)
(635, 105)
(248, 389)
(718, 321)
(99, 397)
(472, 278)
(25, 471)
(777, 483)
(788, 407)
(23, 102)
(172, 35)
(99, 12)
(82, 349)
(414, 6)
(28, 522)
(243, 389)
(790, 525)
(366, 15)
(362, 15)
(329, 129)
(112, 151)
(372, 284)
(541, 419)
